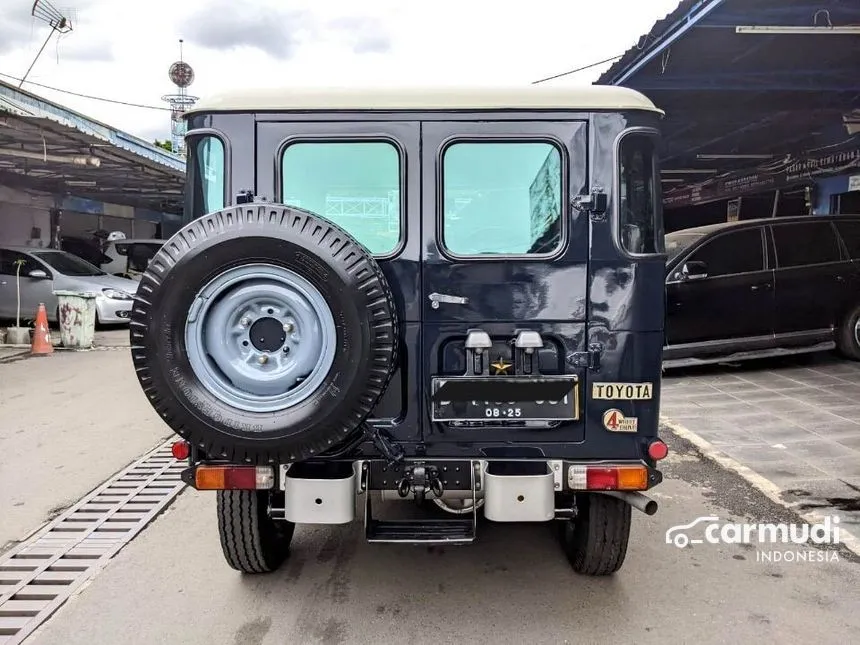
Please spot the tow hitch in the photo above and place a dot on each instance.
(420, 479)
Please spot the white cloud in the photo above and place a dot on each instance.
(123, 52)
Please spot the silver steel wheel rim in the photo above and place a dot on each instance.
(260, 338)
(857, 332)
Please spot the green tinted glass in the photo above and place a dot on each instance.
(502, 198)
(355, 185)
(210, 168)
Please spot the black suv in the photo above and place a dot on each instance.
(447, 296)
(763, 287)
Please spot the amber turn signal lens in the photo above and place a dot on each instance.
(632, 478)
(209, 478)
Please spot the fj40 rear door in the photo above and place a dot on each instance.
(504, 283)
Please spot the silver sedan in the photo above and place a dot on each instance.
(43, 271)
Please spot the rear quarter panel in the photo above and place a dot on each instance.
(626, 306)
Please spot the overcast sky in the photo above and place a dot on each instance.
(121, 49)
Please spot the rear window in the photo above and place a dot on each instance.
(640, 210)
(501, 198)
(140, 254)
(354, 184)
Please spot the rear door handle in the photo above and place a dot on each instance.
(756, 287)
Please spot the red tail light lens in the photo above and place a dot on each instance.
(632, 477)
(658, 450)
(180, 450)
(601, 479)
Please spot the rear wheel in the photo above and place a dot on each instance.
(595, 543)
(849, 335)
(252, 541)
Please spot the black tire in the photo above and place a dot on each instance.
(252, 542)
(848, 342)
(349, 280)
(595, 543)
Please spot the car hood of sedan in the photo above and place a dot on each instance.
(98, 282)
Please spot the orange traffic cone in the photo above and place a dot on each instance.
(42, 336)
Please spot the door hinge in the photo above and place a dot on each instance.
(596, 203)
(248, 197)
(588, 360)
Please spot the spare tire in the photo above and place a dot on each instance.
(263, 334)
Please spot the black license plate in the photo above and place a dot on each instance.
(505, 398)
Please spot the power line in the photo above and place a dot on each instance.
(578, 69)
(165, 109)
(89, 96)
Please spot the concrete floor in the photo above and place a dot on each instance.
(69, 421)
(794, 421)
(72, 419)
(171, 585)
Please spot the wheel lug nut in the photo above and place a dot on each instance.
(262, 360)
(245, 321)
(288, 327)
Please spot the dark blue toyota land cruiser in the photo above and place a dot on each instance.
(452, 297)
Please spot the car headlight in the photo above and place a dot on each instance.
(116, 294)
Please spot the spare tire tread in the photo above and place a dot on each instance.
(336, 246)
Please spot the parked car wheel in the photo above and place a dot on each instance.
(849, 335)
(263, 334)
(252, 542)
(595, 543)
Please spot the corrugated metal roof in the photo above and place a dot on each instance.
(23, 103)
(681, 16)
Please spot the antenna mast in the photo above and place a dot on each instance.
(47, 13)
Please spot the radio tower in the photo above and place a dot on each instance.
(182, 76)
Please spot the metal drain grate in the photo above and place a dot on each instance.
(41, 573)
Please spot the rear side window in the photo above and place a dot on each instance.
(732, 253)
(501, 198)
(139, 255)
(640, 210)
(207, 172)
(355, 185)
(850, 233)
(805, 244)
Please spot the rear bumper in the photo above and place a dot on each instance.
(568, 475)
(459, 476)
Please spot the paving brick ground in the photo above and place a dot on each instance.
(794, 421)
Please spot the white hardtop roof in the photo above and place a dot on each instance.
(528, 97)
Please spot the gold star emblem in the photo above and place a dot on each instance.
(501, 366)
